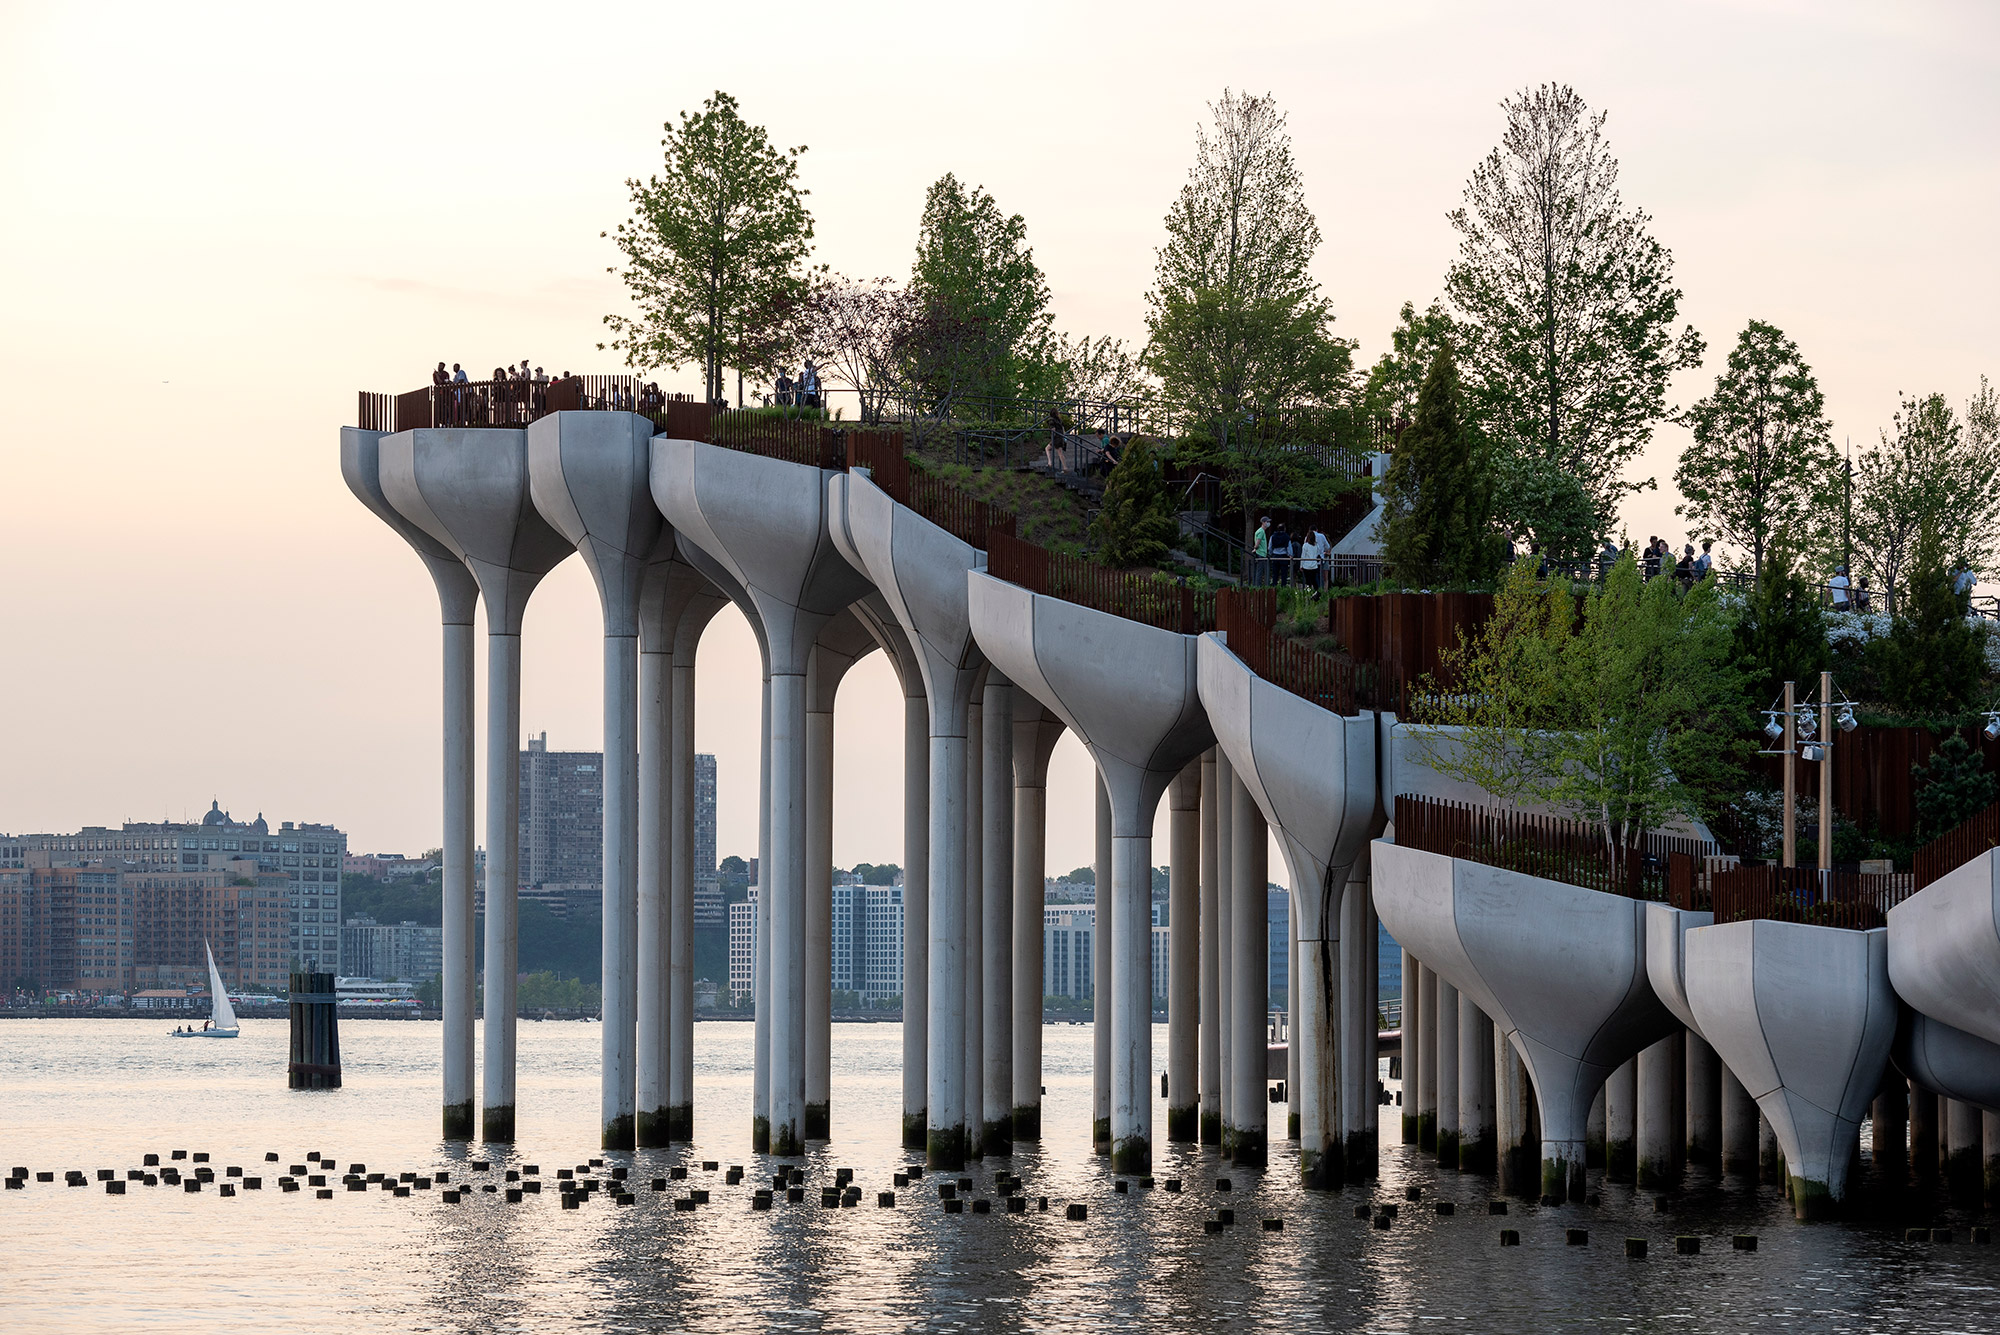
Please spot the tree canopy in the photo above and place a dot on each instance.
(1390, 392)
(979, 323)
(1438, 493)
(1763, 462)
(714, 250)
(1136, 524)
(1930, 471)
(1566, 304)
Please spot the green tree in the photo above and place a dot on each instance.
(1082, 876)
(1932, 663)
(1781, 634)
(1238, 330)
(714, 250)
(980, 322)
(1763, 462)
(1397, 377)
(1931, 471)
(1951, 787)
(1438, 492)
(873, 874)
(1566, 305)
(1627, 716)
(1136, 524)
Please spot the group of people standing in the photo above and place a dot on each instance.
(513, 393)
(1279, 558)
(801, 393)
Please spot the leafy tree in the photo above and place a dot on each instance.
(1238, 330)
(714, 249)
(1438, 492)
(1627, 717)
(981, 318)
(1763, 461)
(1082, 876)
(1933, 661)
(871, 874)
(1950, 788)
(1136, 524)
(1398, 375)
(1100, 370)
(1932, 471)
(543, 990)
(1566, 305)
(1781, 634)
(854, 329)
(405, 900)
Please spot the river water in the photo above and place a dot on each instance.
(90, 1094)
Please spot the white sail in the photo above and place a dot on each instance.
(224, 1016)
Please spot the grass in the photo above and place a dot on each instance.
(1045, 511)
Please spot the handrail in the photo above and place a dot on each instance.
(1550, 847)
(1856, 901)
(1956, 847)
(1139, 596)
(1247, 619)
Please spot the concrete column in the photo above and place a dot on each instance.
(1293, 1048)
(619, 1031)
(997, 931)
(503, 924)
(1594, 1132)
(1447, 1074)
(1656, 1116)
(1100, 981)
(1475, 1088)
(680, 906)
(916, 920)
(1225, 920)
(1519, 1139)
(1360, 1045)
(786, 888)
(1771, 1159)
(1211, 1008)
(1184, 955)
(458, 981)
(1965, 1166)
(1132, 1000)
(1704, 1103)
(654, 1057)
(1890, 1123)
(1371, 966)
(973, 978)
(1989, 1134)
(1244, 1137)
(816, 1119)
(1739, 1127)
(945, 1096)
(1413, 1044)
(760, 984)
(1923, 1133)
(1621, 1123)
(1427, 1063)
(1318, 1065)
(1036, 732)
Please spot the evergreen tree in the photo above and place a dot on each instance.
(981, 322)
(1951, 788)
(1438, 493)
(1932, 662)
(1781, 635)
(1136, 525)
(1397, 377)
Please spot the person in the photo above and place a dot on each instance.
(1652, 557)
(783, 387)
(1055, 454)
(1260, 553)
(1607, 558)
(1838, 587)
(1281, 555)
(1962, 584)
(1684, 568)
(1703, 562)
(1108, 454)
(808, 387)
(1863, 596)
(1312, 560)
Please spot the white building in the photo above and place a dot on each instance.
(1067, 930)
(882, 961)
(743, 945)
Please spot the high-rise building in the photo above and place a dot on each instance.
(743, 945)
(407, 951)
(561, 825)
(882, 960)
(1279, 927)
(704, 816)
(850, 941)
(1066, 934)
(303, 860)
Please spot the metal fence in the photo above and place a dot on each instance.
(1550, 847)
(1854, 900)
(1155, 600)
(1954, 848)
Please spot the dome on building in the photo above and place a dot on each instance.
(216, 815)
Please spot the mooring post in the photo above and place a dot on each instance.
(315, 1051)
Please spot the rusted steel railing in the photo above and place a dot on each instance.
(1550, 847)
(1247, 619)
(502, 403)
(1135, 595)
(1854, 900)
(1954, 848)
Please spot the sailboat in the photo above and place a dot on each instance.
(222, 1018)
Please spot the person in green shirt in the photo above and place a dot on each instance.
(1260, 553)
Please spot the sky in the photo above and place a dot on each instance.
(221, 221)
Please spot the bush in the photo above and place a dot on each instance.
(1953, 787)
(1933, 663)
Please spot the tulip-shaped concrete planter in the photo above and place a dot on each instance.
(1805, 1017)
(1312, 773)
(458, 593)
(765, 522)
(468, 489)
(1948, 1062)
(1561, 969)
(1129, 693)
(919, 570)
(589, 475)
(1944, 948)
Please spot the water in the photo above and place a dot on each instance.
(94, 1094)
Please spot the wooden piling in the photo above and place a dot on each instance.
(315, 1053)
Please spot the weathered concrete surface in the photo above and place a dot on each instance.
(1947, 1061)
(1944, 948)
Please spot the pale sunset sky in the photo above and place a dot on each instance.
(221, 221)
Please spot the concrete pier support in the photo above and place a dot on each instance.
(1621, 1123)
(997, 930)
(1211, 975)
(1594, 1133)
(1100, 976)
(1413, 1043)
(1965, 1165)
(1427, 1064)
(1889, 1121)
(1293, 1048)
(1704, 1103)
(1184, 954)
(1447, 1074)
(1225, 960)
(1739, 1127)
(1036, 732)
(469, 490)
(1771, 1159)
(1360, 1002)
(1475, 1088)
(458, 595)
(1923, 1133)
(760, 984)
(696, 612)
(1989, 1134)
(1656, 1116)
(916, 919)
(973, 980)
(1245, 1135)
(1516, 1126)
